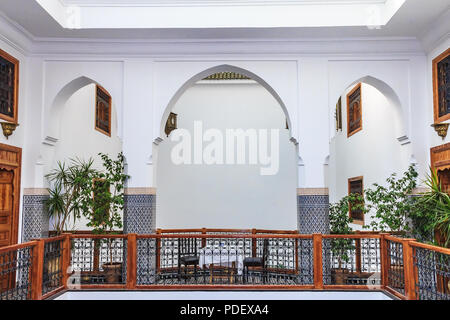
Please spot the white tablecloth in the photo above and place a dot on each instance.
(223, 257)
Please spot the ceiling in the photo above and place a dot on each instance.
(412, 19)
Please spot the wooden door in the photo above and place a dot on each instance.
(6, 207)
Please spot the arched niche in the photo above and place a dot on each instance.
(392, 77)
(52, 128)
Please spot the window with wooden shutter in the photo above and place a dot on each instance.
(354, 111)
(355, 186)
(103, 111)
(9, 87)
(441, 87)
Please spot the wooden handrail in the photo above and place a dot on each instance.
(430, 247)
(18, 246)
(208, 230)
(220, 236)
(409, 245)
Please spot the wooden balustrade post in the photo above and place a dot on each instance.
(358, 255)
(318, 261)
(203, 239)
(37, 270)
(131, 261)
(66, 252)
(408, 268)
(254, 243)
(158, 250)
(384, 260)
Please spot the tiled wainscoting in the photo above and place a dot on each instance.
(312, 213)
(35, 222)
(139, 211)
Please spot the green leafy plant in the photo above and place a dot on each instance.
(442, 222)
(108, 193)
(340, 224)
(107, 200)
(69, 194)
(392, 204)
(427, 209)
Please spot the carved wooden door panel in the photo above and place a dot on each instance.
(6, 227)
(6, 206)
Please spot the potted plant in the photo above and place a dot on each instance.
(340, 220)
(106, 206)
(66, 194)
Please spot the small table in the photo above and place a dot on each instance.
(214, 257)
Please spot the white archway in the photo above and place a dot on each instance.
(160, 150)
(52, 128)
(218, 69)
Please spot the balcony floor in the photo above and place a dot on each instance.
(223, 295)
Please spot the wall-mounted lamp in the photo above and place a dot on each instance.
(8, 128)
(441, 129)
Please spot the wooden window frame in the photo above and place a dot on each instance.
(349, 134)
(98, 87)
(436, 60)
(14, 61)
(350, 180)
(338, 115)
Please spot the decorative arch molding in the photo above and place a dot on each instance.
(390, 77)
(198, 71)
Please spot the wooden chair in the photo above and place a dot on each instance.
(257, 262)
(187, 256)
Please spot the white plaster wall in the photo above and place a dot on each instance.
(227, 196)
(78, 137)
(373, 153)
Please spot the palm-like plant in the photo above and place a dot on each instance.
(70, 192)
(431, 211)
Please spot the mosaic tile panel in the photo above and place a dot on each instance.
(313, 214)
(139, 213)
(35, 222)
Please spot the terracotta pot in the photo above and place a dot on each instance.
(340, 276)
(398, 270)
(53, 266)
(113, 272)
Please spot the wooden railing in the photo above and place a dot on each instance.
(402, 267)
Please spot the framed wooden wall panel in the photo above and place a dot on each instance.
(440, 157)
(354, 111)
(441, 87)
(103, 102)
(9, 87)
(360, 182)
